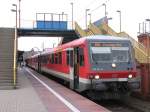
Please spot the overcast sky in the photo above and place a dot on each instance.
(133, 12)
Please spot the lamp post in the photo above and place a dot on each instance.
(86, 17)
(120, 18)
(148, 20)
(15, 46)
(15, 10)
(109, 18)
(19, 14)
(107, 22)
(90, 17)
(139, 28)
(72, 13)
(105, 8)
(62, 15)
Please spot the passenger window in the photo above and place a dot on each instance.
(52, 59)
(56, 58)
(67, 52)
(60, 57)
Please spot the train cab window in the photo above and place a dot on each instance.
(81, 56)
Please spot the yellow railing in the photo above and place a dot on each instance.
(107, 29)
(89, 32)
(78, 29)
(94, 29)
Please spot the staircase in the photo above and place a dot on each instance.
(79, 30)
(140, 51)
(94, 29)
(6, 58)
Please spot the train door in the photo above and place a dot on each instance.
(76, 68)
(73, 67)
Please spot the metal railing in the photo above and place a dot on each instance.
(79, 30)
(32, 24)
(108, 29)
(94, 29)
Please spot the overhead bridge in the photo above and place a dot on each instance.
(67, 35)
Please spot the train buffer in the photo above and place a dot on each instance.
(40, 94)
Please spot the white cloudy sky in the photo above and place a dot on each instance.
(133, 13)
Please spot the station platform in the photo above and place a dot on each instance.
(37, 93)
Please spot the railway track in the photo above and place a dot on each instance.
(117, 106)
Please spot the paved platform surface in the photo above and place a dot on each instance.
(33, 96)
(23, 99)
(77, 103)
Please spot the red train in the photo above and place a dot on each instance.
(103, 65)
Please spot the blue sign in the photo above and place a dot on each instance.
(52, 25)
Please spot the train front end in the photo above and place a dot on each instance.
(112, 66)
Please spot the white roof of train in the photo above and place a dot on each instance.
(106, 37)
(93, 37)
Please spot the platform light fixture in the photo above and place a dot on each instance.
(105, 9)
(19, 14)
(148, 20)
(72, 12)
(119, 18)
(108, 22)
(90, 16)
(62, 15)
(86, 11)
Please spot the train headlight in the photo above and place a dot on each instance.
(113, 65)
(96, 77)
(130, 76)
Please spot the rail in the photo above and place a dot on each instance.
(78, 29)
(89, 32)
(107, 29)
(94, 29)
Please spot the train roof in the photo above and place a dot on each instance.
(78, 42)
(105, 37)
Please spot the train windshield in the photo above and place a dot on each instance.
(109, 52)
